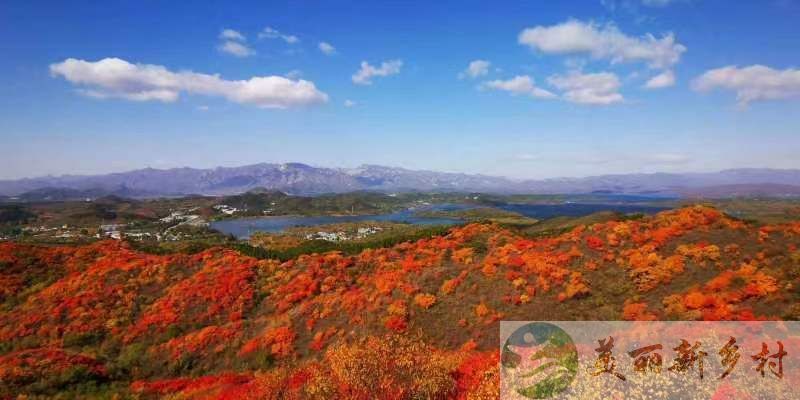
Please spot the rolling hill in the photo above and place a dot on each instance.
(415, 320)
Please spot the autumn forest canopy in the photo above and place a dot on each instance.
(418, 319)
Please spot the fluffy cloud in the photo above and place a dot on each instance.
(235, 49)
(349, 103)
(230, 34)
(596, 89)
(662, 80)
(270, 33)
(603, 42)
(233, 43)
(753, 83)
(364, 75)
(518, 85)
(116, 78)
(327, 48)
(475, 69)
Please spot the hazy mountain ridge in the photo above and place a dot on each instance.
(300, 178)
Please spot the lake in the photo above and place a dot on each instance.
(242, 228)
(545, 211)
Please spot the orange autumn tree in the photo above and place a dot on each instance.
(425, 300)
(278, 341)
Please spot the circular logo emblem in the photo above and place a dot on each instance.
(539, 360)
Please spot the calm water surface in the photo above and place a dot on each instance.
(544, 211)
(242, 228)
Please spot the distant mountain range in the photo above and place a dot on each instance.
(303, 179)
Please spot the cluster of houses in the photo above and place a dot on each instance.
(58, 232)
(41, 229)
(119, 231)
(339, 236)
(110, 231)
(181, 217)
(226, 209)
(176, 218)
(184, 219)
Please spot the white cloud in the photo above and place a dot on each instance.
(236, 49)
(475, 69)
(596, 89)
(270, 33)
(117, 78)
(364, 75)
(164, 95)
(603, 42)
(662, 80)
(230, 34)
(203, 108)
(349, 103)
(233, 43)
(518, 85)
(327, 48)
(753, 83)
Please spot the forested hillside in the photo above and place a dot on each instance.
(416, 320)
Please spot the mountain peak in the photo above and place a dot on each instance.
(305, 179)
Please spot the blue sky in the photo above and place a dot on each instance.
(559, 88)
